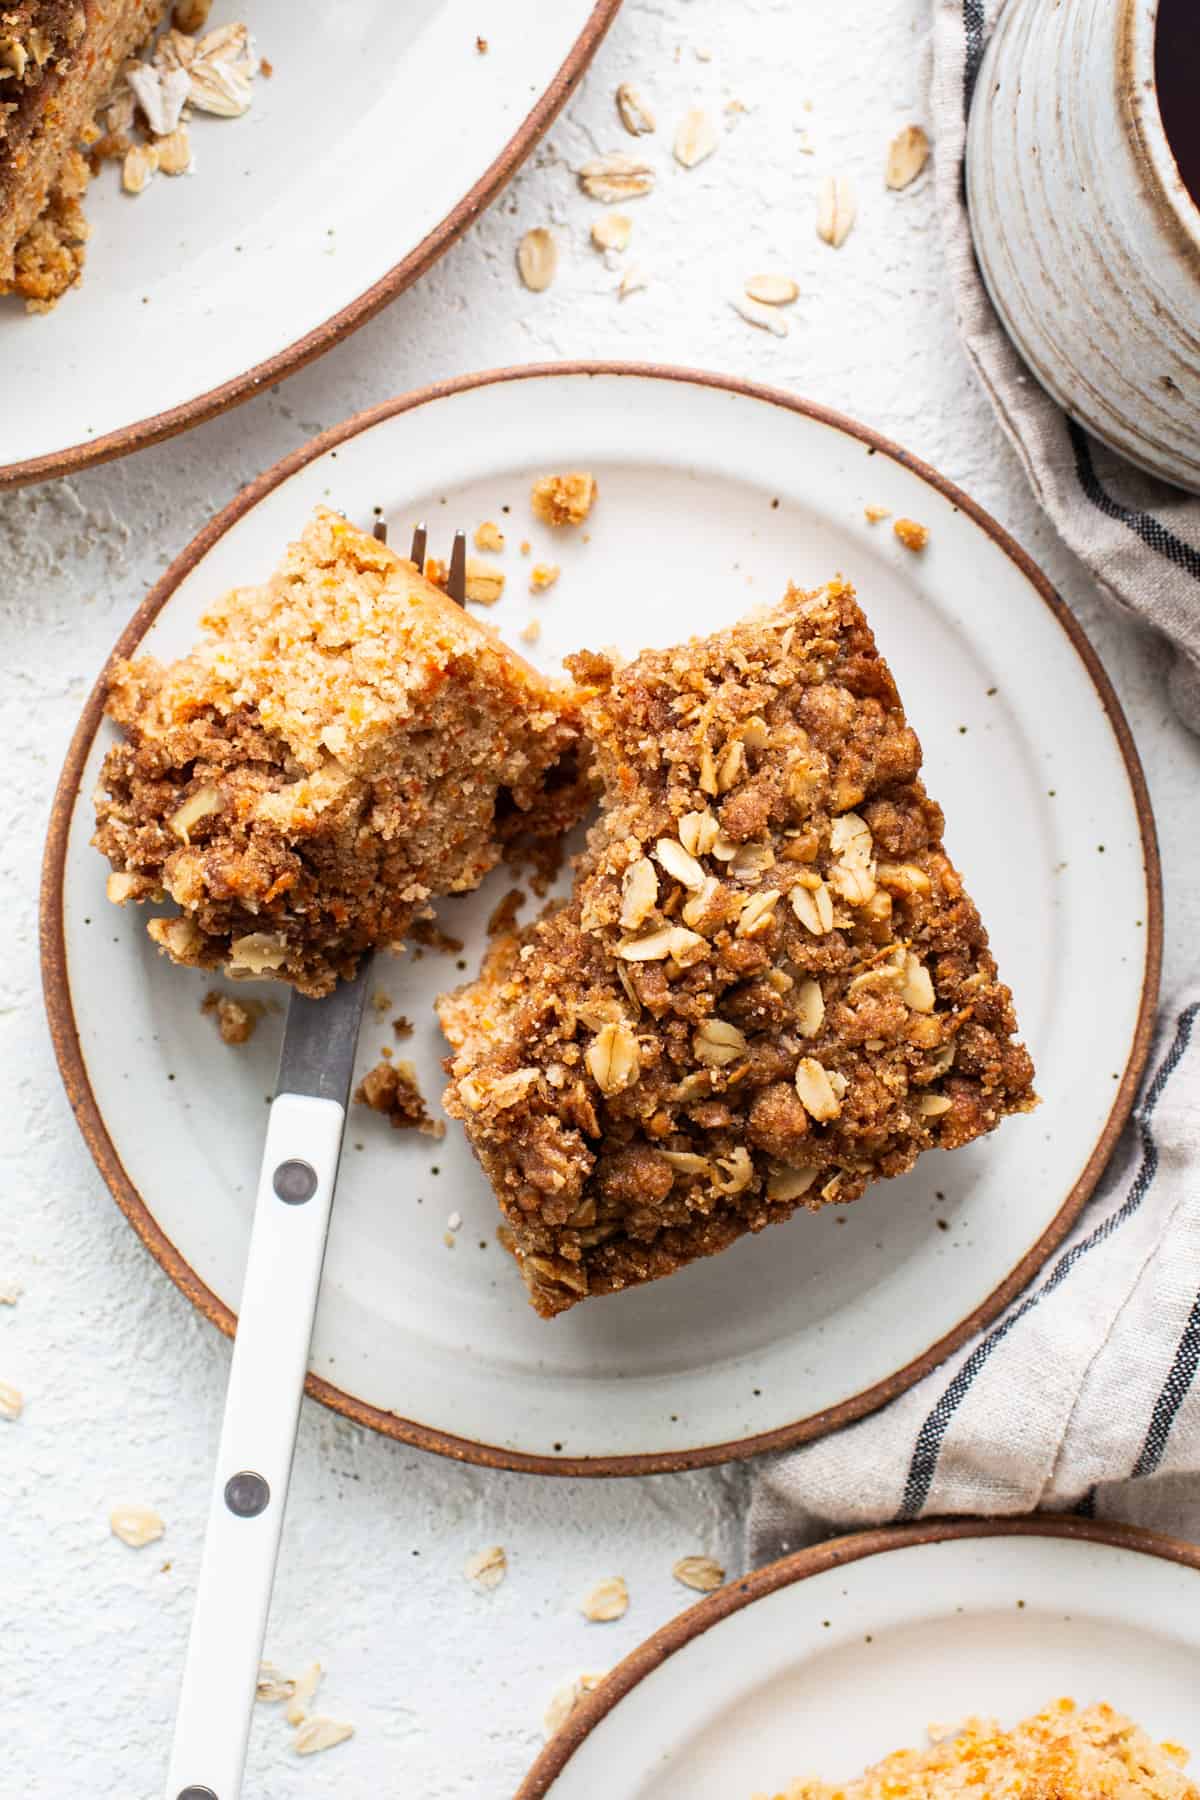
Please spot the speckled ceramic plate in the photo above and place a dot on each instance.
(380, 136)
(823, 1663)
(711, 495)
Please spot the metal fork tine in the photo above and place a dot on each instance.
(379, 531)
(456, 581)
(419, 539)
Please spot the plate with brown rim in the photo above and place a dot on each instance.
(712, 494)
(382, 133)
(823, 1663)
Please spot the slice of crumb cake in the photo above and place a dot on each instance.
(768, 987)
(344, 744)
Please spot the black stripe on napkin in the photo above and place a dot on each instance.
(1154, 534)
(973, 31)
(1174, 1392)
(931, 1436)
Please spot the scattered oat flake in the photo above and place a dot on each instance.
(565, 1699)
(488, 536)
(320, 1733)
(136, 1525)
(303, 1688)
(448, 1239)
(273, 1684)
(531, 631)
(702, 53)
(632, 281)
(12, 1401)
(767, 318)
(699, 1572)
(612, 231)
(160, 94)
(873, 514)
(616, 177)
(836, 209)
(487, 1568)
(485, 582)
(636, 116)
(912, 535)
(772, 290)
(695, 139)
(454, 1222)
(10, 1292)
(537, 259)
(140, 163)
(907, 155)
(607, 1601)
(175, 152)
(543, 576)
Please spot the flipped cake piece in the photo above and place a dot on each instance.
(768, 987)
(1061, 1753)
(58, 59)
(343, 745)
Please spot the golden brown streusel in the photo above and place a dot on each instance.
(1060, 1753)
(391, 1088)
(563, 499)
(342, 745)
(911, 534)
(236, 1023)
(768, 986)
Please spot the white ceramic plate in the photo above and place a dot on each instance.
(823, 1663)
(711, 496)
(380, 137)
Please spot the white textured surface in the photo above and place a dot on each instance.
(123, 1382)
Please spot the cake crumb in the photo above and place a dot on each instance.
(236, 1022)
(531, 631)
(266, 67)
(10, 1292)
(391, 1089)
(504, 914)
(429, 934)
(381, 1002)
(12, 1402)
(488, 536)
(563, 499)
(481, 44)
(526, 546)
(402, 1026)
(543, 576)
(873, 514)
(191, 15)
(912, 535)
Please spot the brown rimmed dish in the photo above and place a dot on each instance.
(695, 389)
(981, 1601)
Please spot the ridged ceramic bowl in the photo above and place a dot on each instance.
(1087, 237)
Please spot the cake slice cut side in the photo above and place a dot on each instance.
(344, 745)
(768, 987)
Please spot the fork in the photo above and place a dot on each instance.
(270, 1359)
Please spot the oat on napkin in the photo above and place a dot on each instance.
(1082, 1396)
(1139, 536)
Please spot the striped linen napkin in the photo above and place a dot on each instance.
(1082, 1397)
(1139, 537)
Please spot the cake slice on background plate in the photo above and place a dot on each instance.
(342, 746)
(58, 60)
(768, 987)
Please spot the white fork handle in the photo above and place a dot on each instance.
(258, 1438)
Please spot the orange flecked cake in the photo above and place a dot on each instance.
(768, 987)
(58, 59)
(342, 746)
(1061, 1753)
